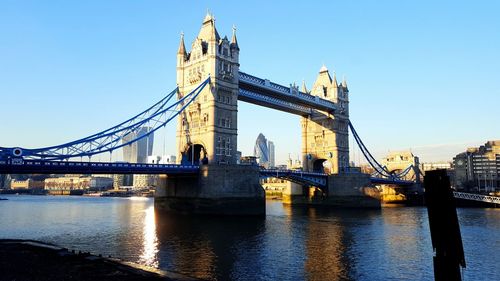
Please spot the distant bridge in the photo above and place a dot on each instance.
(321, 179)
(477, 197)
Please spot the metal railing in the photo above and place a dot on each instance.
(477, 197)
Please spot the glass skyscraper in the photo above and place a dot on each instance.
(270, 146)
(264, 151)
(138, 151)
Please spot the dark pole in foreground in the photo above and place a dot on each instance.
(445, 230)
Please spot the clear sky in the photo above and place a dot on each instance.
(422, 75)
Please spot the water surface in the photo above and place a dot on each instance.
(288, 244)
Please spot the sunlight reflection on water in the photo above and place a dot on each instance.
(150, 240)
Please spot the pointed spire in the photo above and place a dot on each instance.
(234, 41)
(214, 35)
(344, 82)
(324, 78)
(208, 30)
(208, 17)
(304, 88)
(334, 82)
(182, 48)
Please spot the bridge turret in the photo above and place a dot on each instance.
(234, 41)
(181, 58)
(304, 87)
(181, 52)
(344, 84)
(322, 84)
(335, 85)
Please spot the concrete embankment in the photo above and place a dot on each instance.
(26, 260)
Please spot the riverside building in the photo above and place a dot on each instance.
(478, 168)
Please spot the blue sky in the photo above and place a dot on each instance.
(422, 75)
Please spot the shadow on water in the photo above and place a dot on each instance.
(330, 242)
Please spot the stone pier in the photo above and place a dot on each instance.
(348, 190)
(217, 190)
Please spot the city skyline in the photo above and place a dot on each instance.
(81, 68)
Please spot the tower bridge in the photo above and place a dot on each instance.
(209, 86)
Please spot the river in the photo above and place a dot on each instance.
(288, 244)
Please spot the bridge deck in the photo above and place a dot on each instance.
(68, 167)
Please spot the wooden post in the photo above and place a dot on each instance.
(444, 227)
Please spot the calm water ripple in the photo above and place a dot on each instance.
(289, 244)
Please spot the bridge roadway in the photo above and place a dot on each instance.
(20, 166)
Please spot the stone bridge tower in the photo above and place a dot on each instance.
(398, 161)
(325, 136)
(207, 129)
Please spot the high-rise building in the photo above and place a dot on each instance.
(478, 168)
(138, 152)
(270, 146)
(261, 151)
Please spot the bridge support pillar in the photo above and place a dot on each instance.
(392, 195)
(352, 190)
(218, 190)
(344, 191)
(295, 193)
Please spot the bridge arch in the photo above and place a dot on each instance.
(195, 154)
(321, 165)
